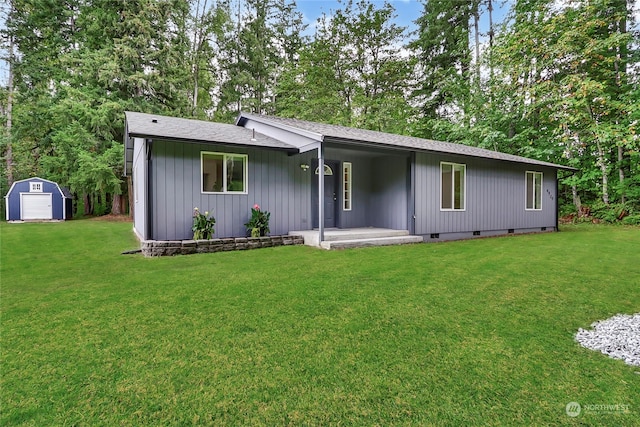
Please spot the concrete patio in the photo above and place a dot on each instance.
(343, 238)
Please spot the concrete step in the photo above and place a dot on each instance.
(363, 233)
(332, 234)
(375, 241)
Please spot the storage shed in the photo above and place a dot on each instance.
(37, 199)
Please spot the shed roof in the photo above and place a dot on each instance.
(336, 133)
(64, 191)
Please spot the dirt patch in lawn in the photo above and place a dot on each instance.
(112, 218)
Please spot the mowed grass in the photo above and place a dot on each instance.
(475, 332)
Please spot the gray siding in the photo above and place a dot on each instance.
(358, 216)
(389, 196)
(139, 187)
(275, 182)
(379, 189)
(495, 192)
(495, 197)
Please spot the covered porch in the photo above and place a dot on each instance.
(361, 190)
(335, 238)
(363, 186)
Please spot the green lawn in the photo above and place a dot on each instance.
(463, 333)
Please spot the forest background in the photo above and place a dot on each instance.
(552, 80)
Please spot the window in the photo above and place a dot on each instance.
(35, 187)
(346, 186)
(534, 190)
(327, 170)
(453, 180)
(224, 173)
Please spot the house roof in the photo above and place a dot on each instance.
(144, 125)
(335, 133)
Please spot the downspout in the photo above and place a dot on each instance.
(320, 193)
(412, 193)
(148, 230)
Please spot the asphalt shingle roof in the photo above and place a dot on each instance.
(344, 134)
(144, 125)
(157, 126)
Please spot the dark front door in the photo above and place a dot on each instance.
(330, 194)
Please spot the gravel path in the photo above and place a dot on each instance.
(618, 337)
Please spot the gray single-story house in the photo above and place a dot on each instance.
(37, 199)
(428, 190)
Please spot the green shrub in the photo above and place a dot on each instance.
(631, 220)
(258, 225)
(202, 225)
(613, 212)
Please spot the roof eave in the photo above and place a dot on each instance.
(244, 117)
(201, 141)
(521, 160)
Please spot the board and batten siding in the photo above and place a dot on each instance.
(379, 189)
(276, 182)
(360, 191)
(389, 196)
(139, 178)
(495, 197)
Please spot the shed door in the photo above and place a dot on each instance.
(36, 206)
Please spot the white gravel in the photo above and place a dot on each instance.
(618, 337)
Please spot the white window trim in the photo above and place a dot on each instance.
(36, 187)
(526, 201)
(464, 205)
(245, 177)
(347, 193)
(327, 170)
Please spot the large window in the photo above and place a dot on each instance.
(224, 173)
(452, 177)
(534, 190)
(346, 186)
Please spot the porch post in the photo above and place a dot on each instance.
(320, 193)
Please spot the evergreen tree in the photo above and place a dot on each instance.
(267, 35)
(444, 55)
(352, 73)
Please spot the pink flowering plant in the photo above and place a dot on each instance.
(258, 224)
(202, 225)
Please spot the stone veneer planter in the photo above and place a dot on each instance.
(186, 247)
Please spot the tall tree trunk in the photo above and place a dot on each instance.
(116, 204)
(621, 72)
(9, 150)
(602, 160)
(602, 163)
(576, 198)
(195, 50)
(88, 206)
(490, 8)
(74, 205)
(476, 30)
(621, 173)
